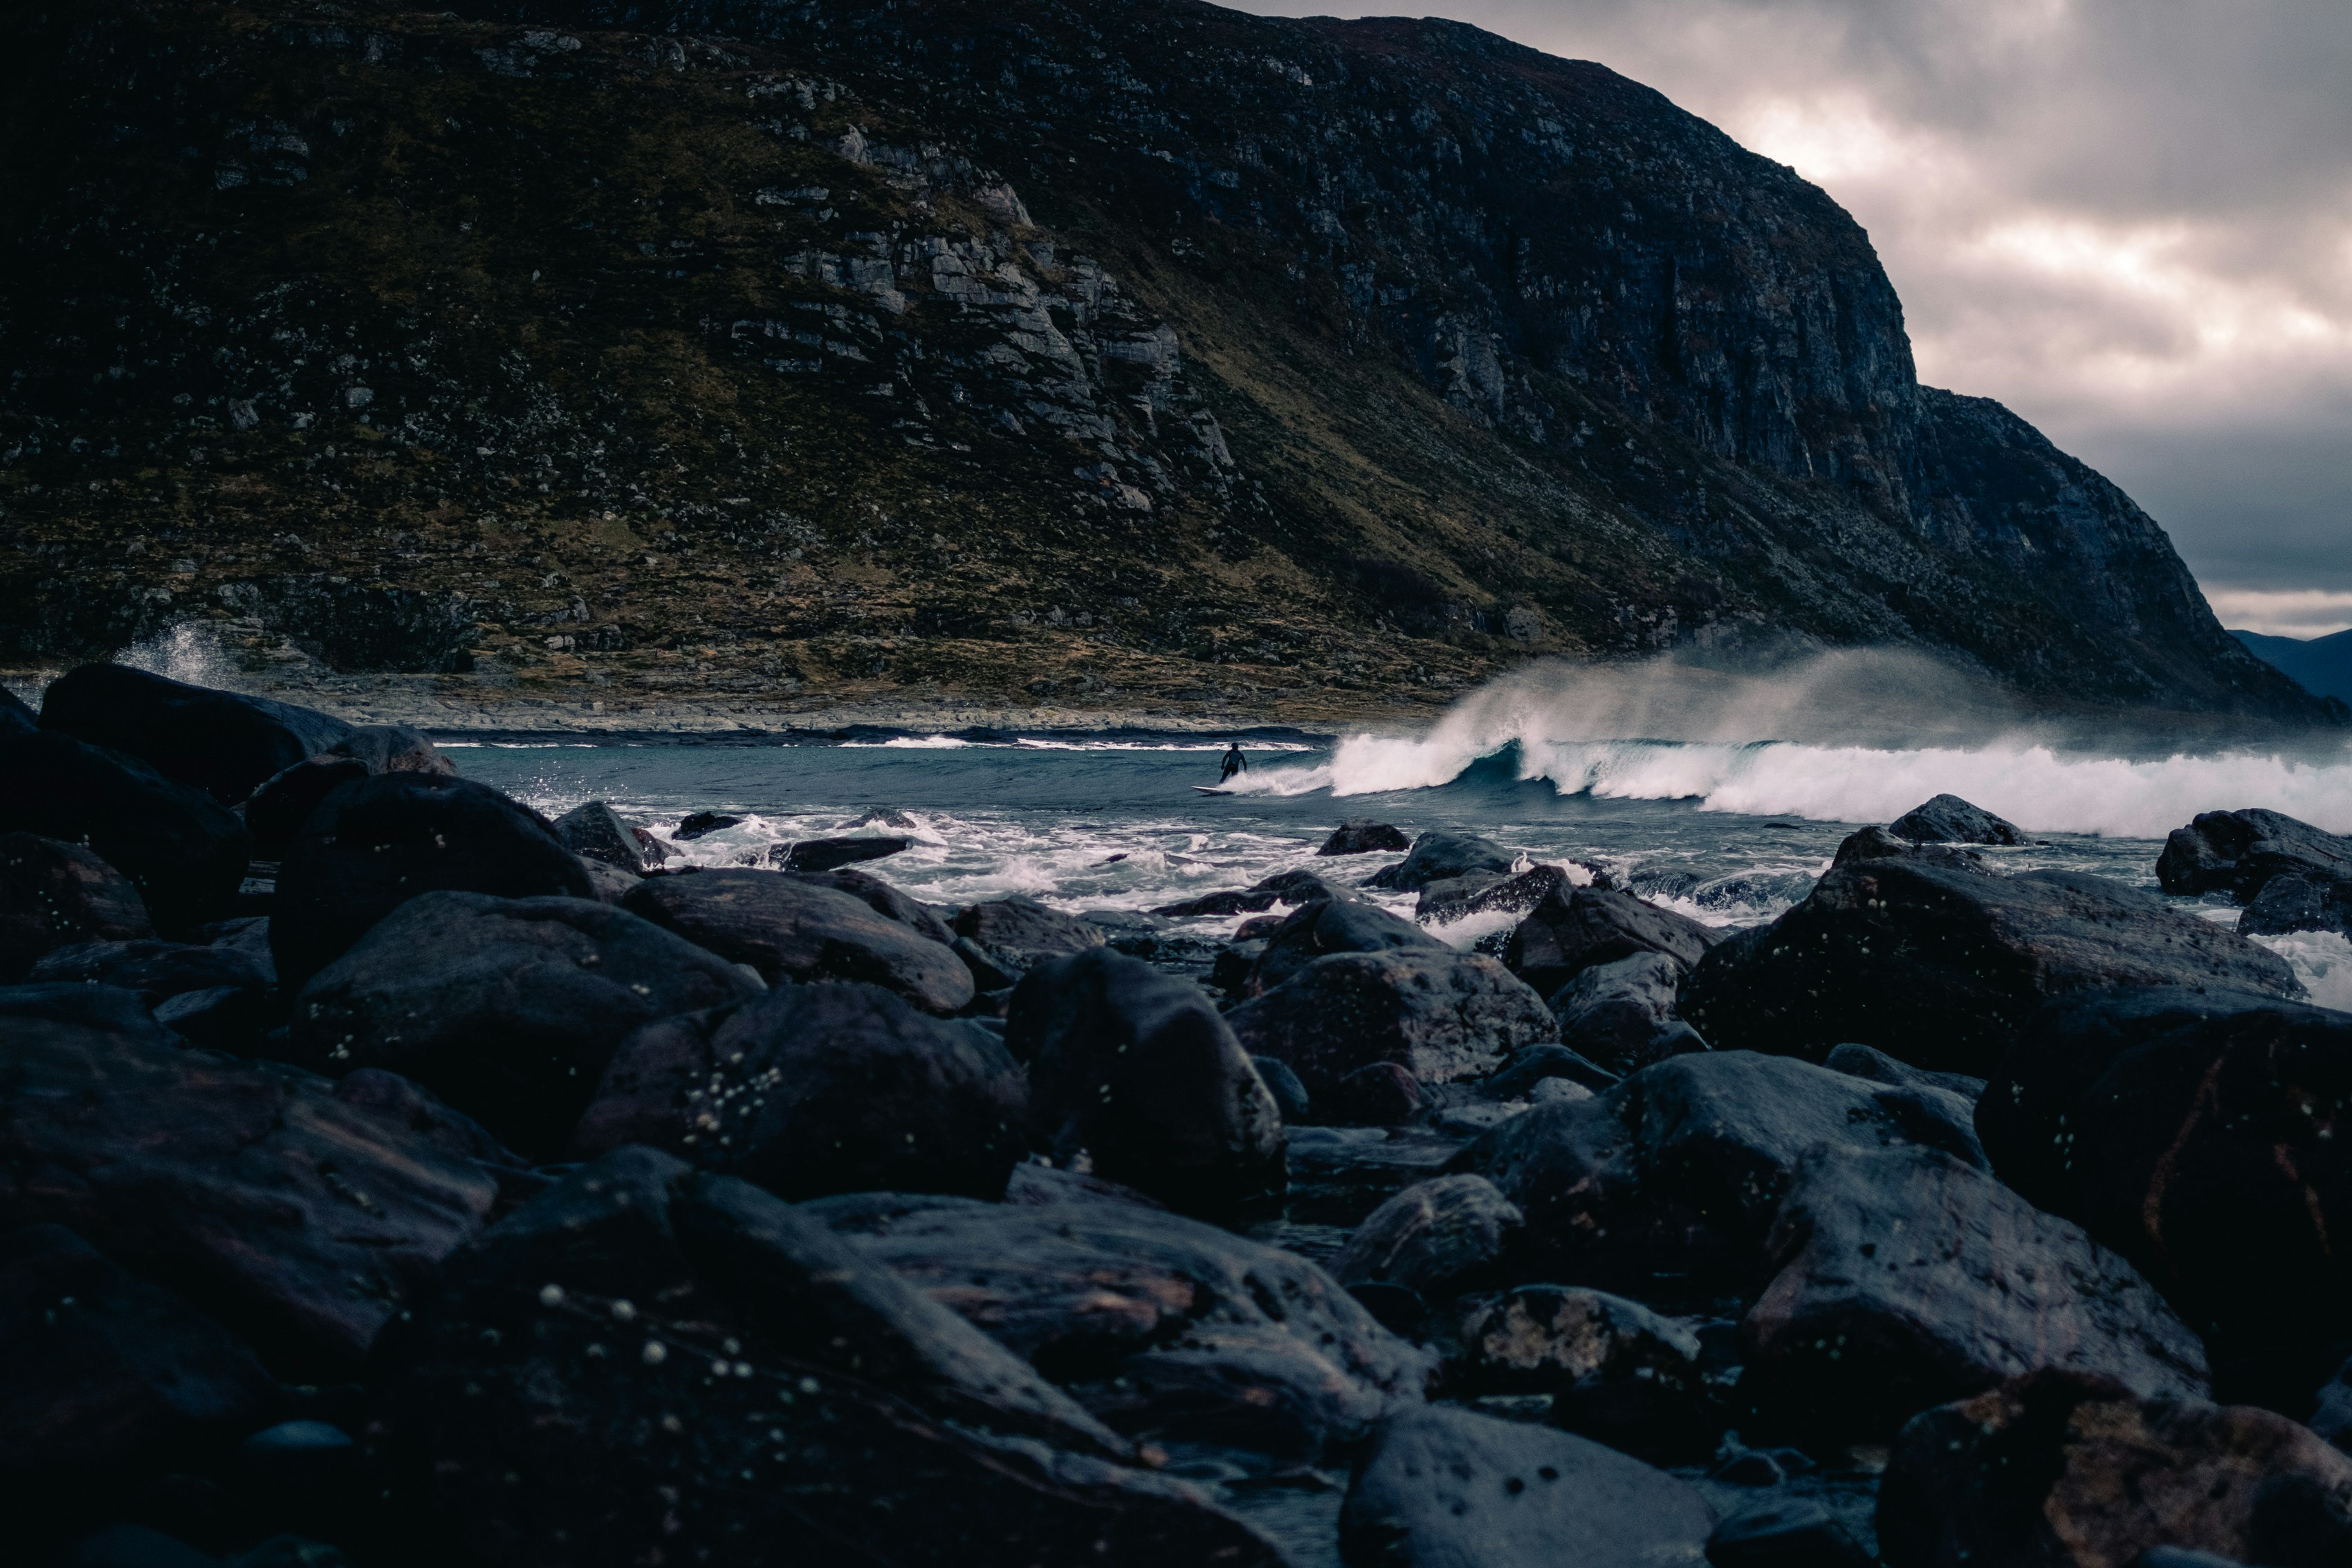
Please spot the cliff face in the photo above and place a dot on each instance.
(1149, 351)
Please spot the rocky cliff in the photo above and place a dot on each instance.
(1140, 355)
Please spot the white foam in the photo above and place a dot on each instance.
(2322, 960)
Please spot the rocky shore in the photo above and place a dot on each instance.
(390, 1176)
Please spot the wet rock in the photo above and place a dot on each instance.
(1617, 1371)
(2204, 1137)
(1907, 1279)
(1441, 854)
(1800, 1533)
(1363, 836)
(1676, 1171)
(884, 900)
(1436, 1240)
(1138, 1072)
(298, 1220)
(1290, 1095)
(595, 831)
(818, 1089)
(281, 803)
(1235, 962)
(2055, 1470)
(1620, 1014)
(376, 843)
(649, 1363)
(1949, 819)
(612, 883)
(2299, 901)
(1169, 1329)
(830, 854)
(792, 929)
(1438, 1014)
(219, 742)
(506, 1009)
(53, 894)
(2239, 851)
(1576, 928)
(701, 824)
(1487, 893)
(156, 970)
(1864, 1061)
(1291, 887)
(1316, 931)
(1379, 1095)
(1441, 1488)
(1878, 844)
(184, 853)
(1938, 964)
(1014, 933)
(1519, 1077)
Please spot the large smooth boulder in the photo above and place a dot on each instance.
(2203, 1136)
(1363, 836)
(184, 852)
(1434, 1240)
(1677, 1172)
(652, 1364)
(1488, 893)
(1616, 1372)
(1136, 1071)
(281, 803)
(1907, 1279)
(790, 929)
(2057, 1470)
(2299, 901)
(1317, 930)
(1442, 853)
(508, 1008)
(1578, 927)
(1938, 964)
(1291, 887)
(302, 1221)
(811, 1090)
(1443, 1487)
(2238, 852)
(53, 894)
(830, 854)
(376, 843)
(1622, 1014)
(594, 831)
(222, 743)
(1949, 819)
(1015, 933)
(882, 899)
(1438, 1014)
(1169, 1329)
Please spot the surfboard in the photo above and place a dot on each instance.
(1207, 789)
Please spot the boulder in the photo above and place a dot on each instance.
(611, 884)
(1015, 933)
(2058, 1470)
(1443, 1487)
(1621, 1014)
(701, 824)
(1440, 854)
(280, 804)
(219, 742)
(1291, 887)
(652, 1364)
(2204, 1137)
(2238, 852)
(1907, 1279)
(1363, 836)
(1435, 1239)
(1290, 1095)
(1677, 1173)
(53, 894)
(508, 1008)
(1378, 1094)
(1169, 1329)
(2299, 901)
(1138, 1072)
(1436, 1013)
(1519, 1076)
(884, 900)
(376, 843)
(1938, 965)
(1616, 1372)
(819, 1089)
(300, 1220)
(1862, 1062)
(830, 854)
(1316, 931)
(791, 929)
(156, 970)
(184, 852)
(1578, 927)
(1488, 893)
(1949, 819)
(1879, 843)
(595, 831)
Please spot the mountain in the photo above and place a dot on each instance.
(2322, 665)
(1140, 355)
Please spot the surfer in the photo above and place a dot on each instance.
(1234, 763)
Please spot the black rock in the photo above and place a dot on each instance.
(1378, 1094)
(1938, 965)
(1907, 1279)
(1138, 1072)
(1879, 843)
(2299, 901)
(376, 843)
(53, 894)
(219, 742)
(1012, 934)
(1443, 853)
(1316, 931)
(792, 929)
(2239, 851)
(829, 854)
(283, 802)
(1578, 927)
(1621, 1014)
(156, 970)
(508, 1008)
(821, 1088)
(1235, 962)
(1617, 1371)
(2203, 1136)
(183, 851)
(1362, 836)
(1801, 1533)
(1290, 1095)
(1949, 819)
(1296, 888)
(1519, 1076)
(595, 831)
(1438, 1014)
(698, 824)
(612, 883)
(1436, 1238)
(1864, 1061)
(1487, 893)
(1441, 1488)
(887, 901)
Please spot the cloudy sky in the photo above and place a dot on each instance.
(2130, 220)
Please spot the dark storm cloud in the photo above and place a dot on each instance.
(2130, 220)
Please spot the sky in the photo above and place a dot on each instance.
(2129, 220)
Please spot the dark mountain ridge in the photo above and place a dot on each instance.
(1143, 353)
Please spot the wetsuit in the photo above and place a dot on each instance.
(1234, 763)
